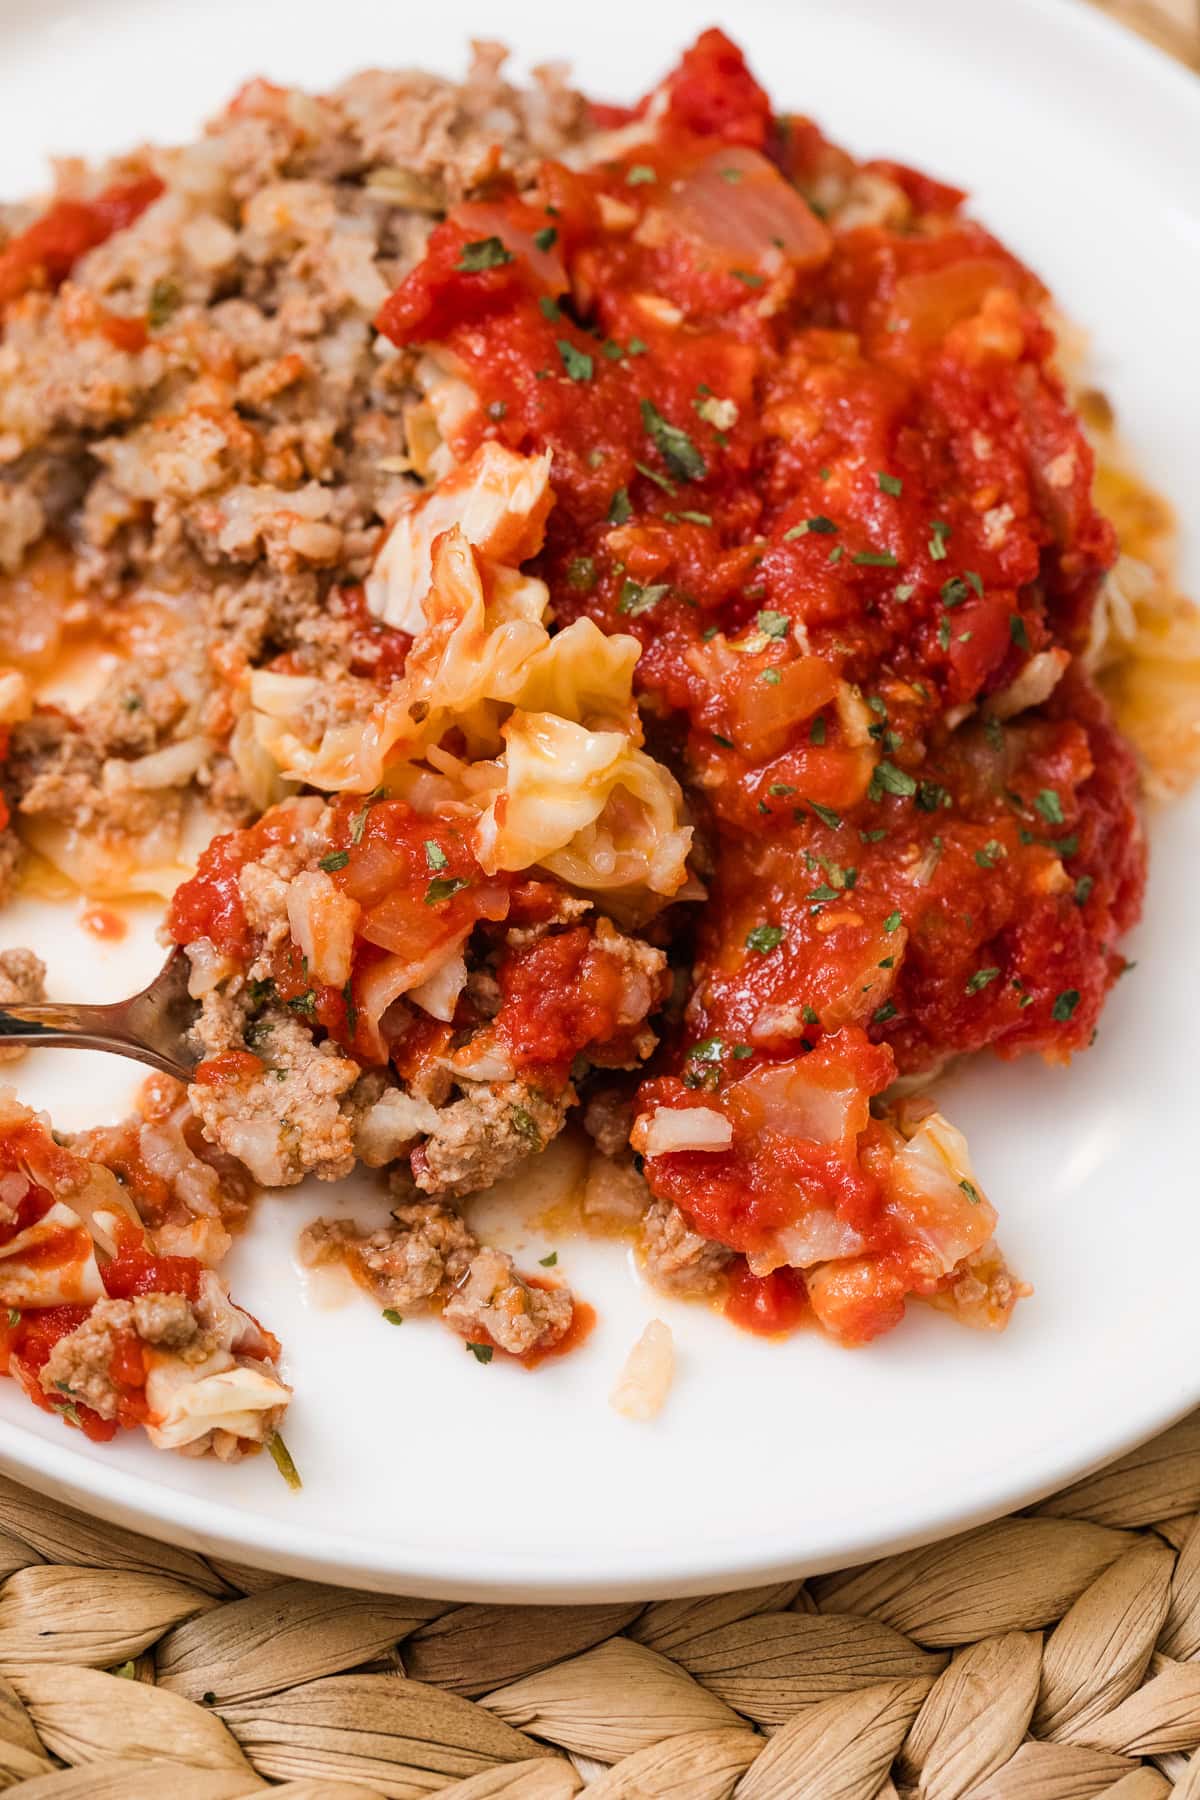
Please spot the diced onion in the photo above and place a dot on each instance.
(644, 1383)
(322, 922)
(824, 1105)
(438, 996)
(1036, 682)
(738, 204)
(393, 1121)
(172, 766)
(681, 1128)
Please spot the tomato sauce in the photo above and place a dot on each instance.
(43, 255)
(103, 923)
(583, 1323)
(771, 1305)
(833, 484)
(561, 995)
(27, 1337)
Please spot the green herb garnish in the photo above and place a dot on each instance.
(484, 253)
(765, 938)
(674, 446)
(980, 979)
(577, 363)
(636, 599)
(442, 888)
(281, 1456)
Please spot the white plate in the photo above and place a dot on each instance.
(427, 1472)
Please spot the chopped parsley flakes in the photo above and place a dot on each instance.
(636, 599)
(765, 938)
(442, 888)
(164, 298)
(674, 446)
(619, 510)
(888, 779)
(1065, 1005)
(577, 363)
(526, 1124)
(484, 253)
(980, 979)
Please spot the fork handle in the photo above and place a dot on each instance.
(82, 1028)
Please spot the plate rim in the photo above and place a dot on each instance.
(217, 1527)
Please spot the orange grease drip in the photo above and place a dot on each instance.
(583, 1321)
(229, 1066)
(103, 923)
(769, 1305)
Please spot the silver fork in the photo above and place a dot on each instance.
(151, 1026)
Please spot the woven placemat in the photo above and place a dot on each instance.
(1050, 1656)
(1054, 1655)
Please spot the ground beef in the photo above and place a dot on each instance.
(242, 459)
(22, 978)
(486, 1134)
(608, 1119)
(78, 1365)
(493, 1305)
(678, 1259)
(405, 1264)
(289, 1121)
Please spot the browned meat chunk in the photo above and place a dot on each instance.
(78, 1366)
(492, 1305)
(678, 1259)
(404, 1264)
(608, 1119)
(486, 1134)
(289, 1121)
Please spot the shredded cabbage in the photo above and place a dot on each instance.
(546, 756)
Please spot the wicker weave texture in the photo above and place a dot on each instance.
(1050, 1656)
